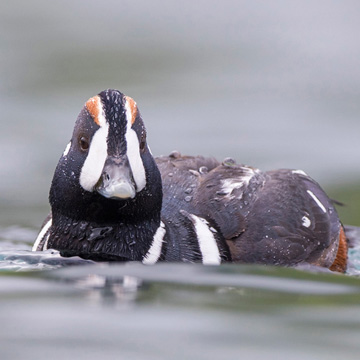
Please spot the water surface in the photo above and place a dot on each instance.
(68, 307)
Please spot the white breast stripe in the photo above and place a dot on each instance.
(154, 252)
(95, 160)
(45, 246)
(133, 152)
(207, 242)
(41, 235)
(321, 206)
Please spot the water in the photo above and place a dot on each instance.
(272, 85)
(71, 308)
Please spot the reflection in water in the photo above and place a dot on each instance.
(174, 311)
(103, 290)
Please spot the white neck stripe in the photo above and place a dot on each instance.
(154, 252)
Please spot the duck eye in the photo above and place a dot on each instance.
(84, 143)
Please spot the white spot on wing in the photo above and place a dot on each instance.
(306, 221)
(41, 235)
(154, 252)
(318, 202)
(207, 242)
(66, 151)
(229, 185)
(133, 152)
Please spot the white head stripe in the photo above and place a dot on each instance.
(41, 235)
(154, 252)
(207, 242)
(318, 202)
(133, 152)
(96, 157)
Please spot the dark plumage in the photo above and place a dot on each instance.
(111, 200)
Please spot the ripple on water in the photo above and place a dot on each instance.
(137, 311)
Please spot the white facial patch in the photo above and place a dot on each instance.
(318, 202)
(154, 252)
(95, 160)
(207, 242)
(133, 152)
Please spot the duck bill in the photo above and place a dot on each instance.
(116, 181)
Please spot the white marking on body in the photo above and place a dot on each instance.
(229, 185)
(300, 172)
(306, 221)
(207, 242)
(66, 151)
(133, 151)
(96, 157)
(41, 235)
(153, 255)
(45, 247)
(318, 202)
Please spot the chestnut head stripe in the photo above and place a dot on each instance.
(93, 105)
(133, 108)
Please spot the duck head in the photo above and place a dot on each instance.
(107, 173)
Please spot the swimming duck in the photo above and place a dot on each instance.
(111, 200)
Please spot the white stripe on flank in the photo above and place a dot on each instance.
(133, 152)
(154, 252)
(321, 206)
(96, 157)
(41, 235)
(207, 242)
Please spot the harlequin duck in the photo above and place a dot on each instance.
(110, 200)
(106, 195)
